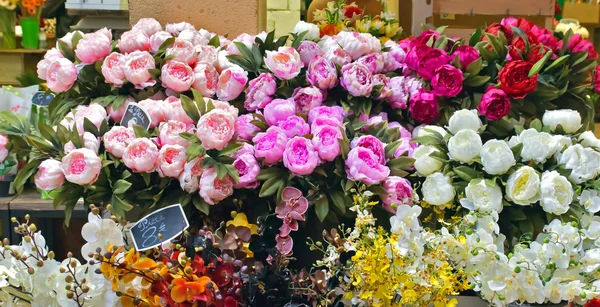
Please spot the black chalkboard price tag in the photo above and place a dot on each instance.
(42, 99)
(169, 222)
(136, 115)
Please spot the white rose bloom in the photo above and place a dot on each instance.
(438, 190)
(584, 163)
(523, 186)
(464, 146)
(537, 146)
(588, 139)
(426, 130)
(482, 197)
(496, 157)
(557, 193)
(590, 200)
(313, 30)
(569, 120)
(424, 164)
(464, 119)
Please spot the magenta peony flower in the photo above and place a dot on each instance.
(424, 106)
(61, 75)
(357, 80)
(325, 120)
(270, 145)
(362, 165)
(183, 51)
(168, 133)
(137, 69)
(171, 160)
(245, 149)
(414, 55)
(231, 83)
(597, 79)
(579, 44)
(206, 79)
(81, 166)
(134, 40)
(399, 193)
(495, 104)
(117, 139)
(260, 91)
(308, 51)
(113, 69)
(49, 175)
(216, 128)
(335, 112)
(424, 37)
(213, 189)
(371, 143)
(447, 81)
(294, 126)
(322, 73)
(394, 58)
(244, 128)
(159, 110)
(307, 98)
(177, 76)
(374, 62)
(325, 141)
(285, 63)
(248, 169)
(141, 155)
(430, 61)
(279, 110)
(402, 88)
(157, 39)
(93, 47)
(466, 55)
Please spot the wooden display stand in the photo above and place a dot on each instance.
(14, 62)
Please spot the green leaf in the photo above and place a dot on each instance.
(215, 41)
(190, 137)
(241, 61)
(556, 63)
(201, 205)
(77, 36)
(270, 172)
(121, 186)
(476, 37)
(270, 187)
(516, 150)
(90, 127)
(233, 172)
(339, 200)
(465, 173)
(190, 108)
(427, 140)
(140, 131)
(403, 163)
(66, 51)
(281, 41)
(441, 29)
(298, 39)
(25, 173)
(536, 124)
(322, 208)
(231, 148)
(247, 54)
(477, 81)
(221, 170)
(475, 67)
(103, 128)
(539, 64)
(194, 150)
(566, 39)
(390, 149)
(166, 44)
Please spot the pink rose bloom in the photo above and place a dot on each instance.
(157, 39)
(134, 40)
(171, 160)
(285, 63)
(447, 81)
(231, 83)
(402, 89)
(495, 104)
(216, 128)
(248, 169)
(338, 56)
(244, 128)
(207, 54)
(270, 145)
(158, 110)
(61, 75)
(245, 149)
(90, 142)
(430, 61)
(325, 120)
(117, 115)
(424, 106)
(49, 175)
(362, 165)
(300, 157)
(325, 141)
(374, 62)
(3, 151)
(93, 47)
(81, 166)
(414, 55)
(371, 143)
(399, 192)
(357, 80)
(183, 51)
(141, 155)
(294, 126)
(322, 73)
(113, 69)
(193, 37)
(177, 113)
(94, 113)
(394, 58)
(189, 180)
(206, 79)
(384, 81)
(244, 38)
(307, 98)
(176, 28)
(177, 76)
(279, 110)
(466, 55)
(335, 112)
(213, 189)
(42, 66)
(308, 51)
(136, 69)
(168, 133)
(117, 139)
(147, 25)
(259, 92)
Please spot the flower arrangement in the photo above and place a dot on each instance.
(32, 8)
(10, 5)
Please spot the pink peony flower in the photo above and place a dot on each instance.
(374, 62)
(402, 89)
(157, 39)
(159, 110)
(49, 56)
(362, 165)
(424, 106)
(322, 73)
(294, 126)
(325, 141)
(495, 104)
(117, 139)
(149, 26)
(424, 37)
(248, 169)
(134, 40)
(466, 55)
(90, 142)
(61, 75)
(94, 113)
(284, 244)
(430, 61)
(206, 79)
(231, 83)
(371, 143)
(177, 76)
(176, 28)
(207, 54)
(137, 69)
(335, 112)
(406, 147)
(300, 157)
(308, 51)
(244, 38)
(245, 149)
(279, 110)
(225, 106)
(414, 55)
(260, 91)
(189, 180)
(68, 38)
(49, 175)
(357, 80)
(399, 193)
(596, 80)
(307, 98)
(374, 120)
(183, 51)
(213, 189)
(394, 58)
(171, 160)
(93, 47)
(285, 63)
(168, 133)
(141, 155)
(3, 150)
(325, 120)
(81, 166)
(244, 128)
(216, 128)
(113, 69)
(291, 210)
(447, 81)
(177, 113)
(356, 44)
(338, 56)
(579, 44)
(384, 81)
(270, 145)
(404, 133)
(193, 37)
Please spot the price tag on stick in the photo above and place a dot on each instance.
(136, 115)
(169, 222)
(41, 99)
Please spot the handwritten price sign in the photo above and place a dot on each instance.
(169, 222)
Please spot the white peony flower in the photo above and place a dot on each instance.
(557, 193)
(588, 139)
(464, 120)
(100, 233)
(523, 186)
(584, 163)
(464, 146)
(312, 29)
(561, 142)
(482, 197)
(424, 164)
(570, 120)
(590, 200)
(426, 130)
(438, 190)
(496, 157)
(537, 146)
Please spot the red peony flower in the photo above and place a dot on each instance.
(514, 79)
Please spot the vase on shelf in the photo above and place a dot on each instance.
(7, 29)
(31, 30)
